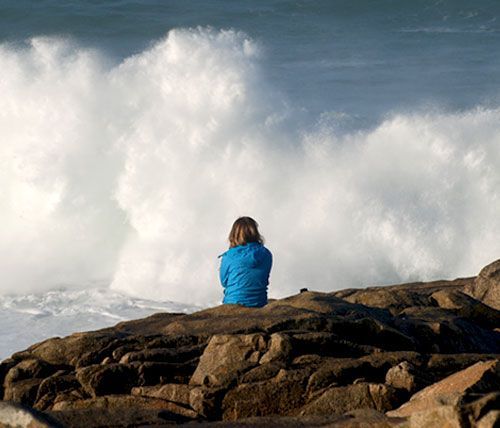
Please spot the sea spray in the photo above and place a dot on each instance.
(133, 173)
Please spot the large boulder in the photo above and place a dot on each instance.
(227, 356)
(486, 286)
(481, 377)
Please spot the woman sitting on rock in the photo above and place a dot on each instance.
(245, 267)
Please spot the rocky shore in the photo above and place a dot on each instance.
(411, 355)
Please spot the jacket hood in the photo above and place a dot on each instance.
(251, 253)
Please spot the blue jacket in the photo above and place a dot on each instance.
(244, 274)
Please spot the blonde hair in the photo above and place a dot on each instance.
(244, 230)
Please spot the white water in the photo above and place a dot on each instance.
(28, 319)
(133, 173)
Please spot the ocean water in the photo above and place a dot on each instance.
(363, 136)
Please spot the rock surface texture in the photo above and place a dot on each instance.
(410, 355)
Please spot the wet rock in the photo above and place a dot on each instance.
(480, 377)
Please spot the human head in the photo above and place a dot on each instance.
(244, 230)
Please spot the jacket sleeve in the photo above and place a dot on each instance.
(223, 271)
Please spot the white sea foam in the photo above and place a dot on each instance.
(133, 173)
(30, 318)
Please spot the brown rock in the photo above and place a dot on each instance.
(480, 407)
(279, 349)
(70, 350)
(107, 379)
(438, 330)
(305, 311)
(153, 373)
(401, 296)
(176, 393)
(28, 369)
(23, 391)
(439, 416)
(206, 401)
(5, 366)
(279, 396)
(110, 409)
(405, 376)
(441, 365)
(165, 355)
(343, 371)
(330, 344)
(117, 402)
(227, 356)
(339, 400)
(490, 420)
(486, 287)
(262, 372)
(150, 325)
(338, 371)
(118, 417)
(52, 386)
(467, 307)
(19, 416)
(480, 377)
(22, 380)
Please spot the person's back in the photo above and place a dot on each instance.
(245, 267)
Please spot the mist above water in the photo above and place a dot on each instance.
(133, 173)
